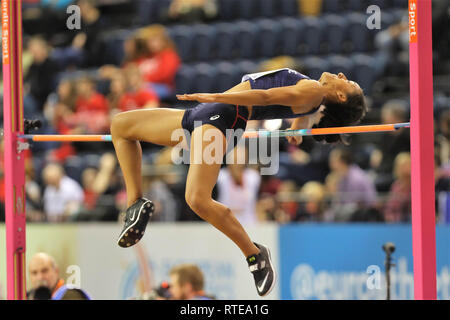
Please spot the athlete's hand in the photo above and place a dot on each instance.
(200, 97)
(296, 140)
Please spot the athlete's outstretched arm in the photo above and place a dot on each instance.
(307, 93)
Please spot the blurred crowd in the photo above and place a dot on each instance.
(46, 282)
(71, 90)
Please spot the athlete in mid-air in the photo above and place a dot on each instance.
(331, 101)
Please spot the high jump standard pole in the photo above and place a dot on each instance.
(13, 157)
(422, 149)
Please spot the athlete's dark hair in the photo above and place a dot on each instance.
(340, 115)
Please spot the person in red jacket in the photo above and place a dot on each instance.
(160, 66)
(137, 95)
(154, 52)
(91, 108)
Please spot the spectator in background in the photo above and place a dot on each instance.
(43, 272)
(159, 185)
(159, 68)
(441, 40)
(190, 11)
(91, 109)
(355, 189)
(135, 50)
(117, 88)
(312, 205)
(443, 138)
(162, 197)
(97, 182)
(58, 111)
(286, 196)
(33, 203)
(40, 79)
(442, 166)
(88, 99)
(268, 209)
(137, 95)
(64, 97)
(85, 50)
(398, 205)
(392, 47)
(128, 92)
(238, 186)
(187, 283)
(390, 144)
(63, 196)
(88, 39)
(154, 52)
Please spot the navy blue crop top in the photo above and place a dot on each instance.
(271, 79)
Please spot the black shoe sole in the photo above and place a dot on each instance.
(134, 232)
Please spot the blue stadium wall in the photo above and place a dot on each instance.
(347, 261)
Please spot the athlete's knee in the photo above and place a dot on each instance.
(198, 202)
(120, 126)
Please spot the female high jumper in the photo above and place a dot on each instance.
(332, 101)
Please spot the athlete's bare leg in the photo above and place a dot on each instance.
(128, 128)
(199, 185)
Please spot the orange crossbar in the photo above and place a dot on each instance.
(247, 134)
(68, 137)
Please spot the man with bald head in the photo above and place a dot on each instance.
(44, 272)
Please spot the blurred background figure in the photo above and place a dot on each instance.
(137, 94)
(40, 78)
(393, 48)
(312, 202)
(390, 144)
(238, 186)
(63, 196)
(187, 283)
(43, 273)
(355, 189)
(159, 68)
(100, 184)
(398, 206)
(91, 114)
(189, 11)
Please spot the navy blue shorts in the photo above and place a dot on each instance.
(220, 115)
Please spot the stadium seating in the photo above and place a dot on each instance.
(205, 42)
(338, 63)
(314, 34)
(269, 44)
(336, 33)
(364, 71)
(291, 36)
